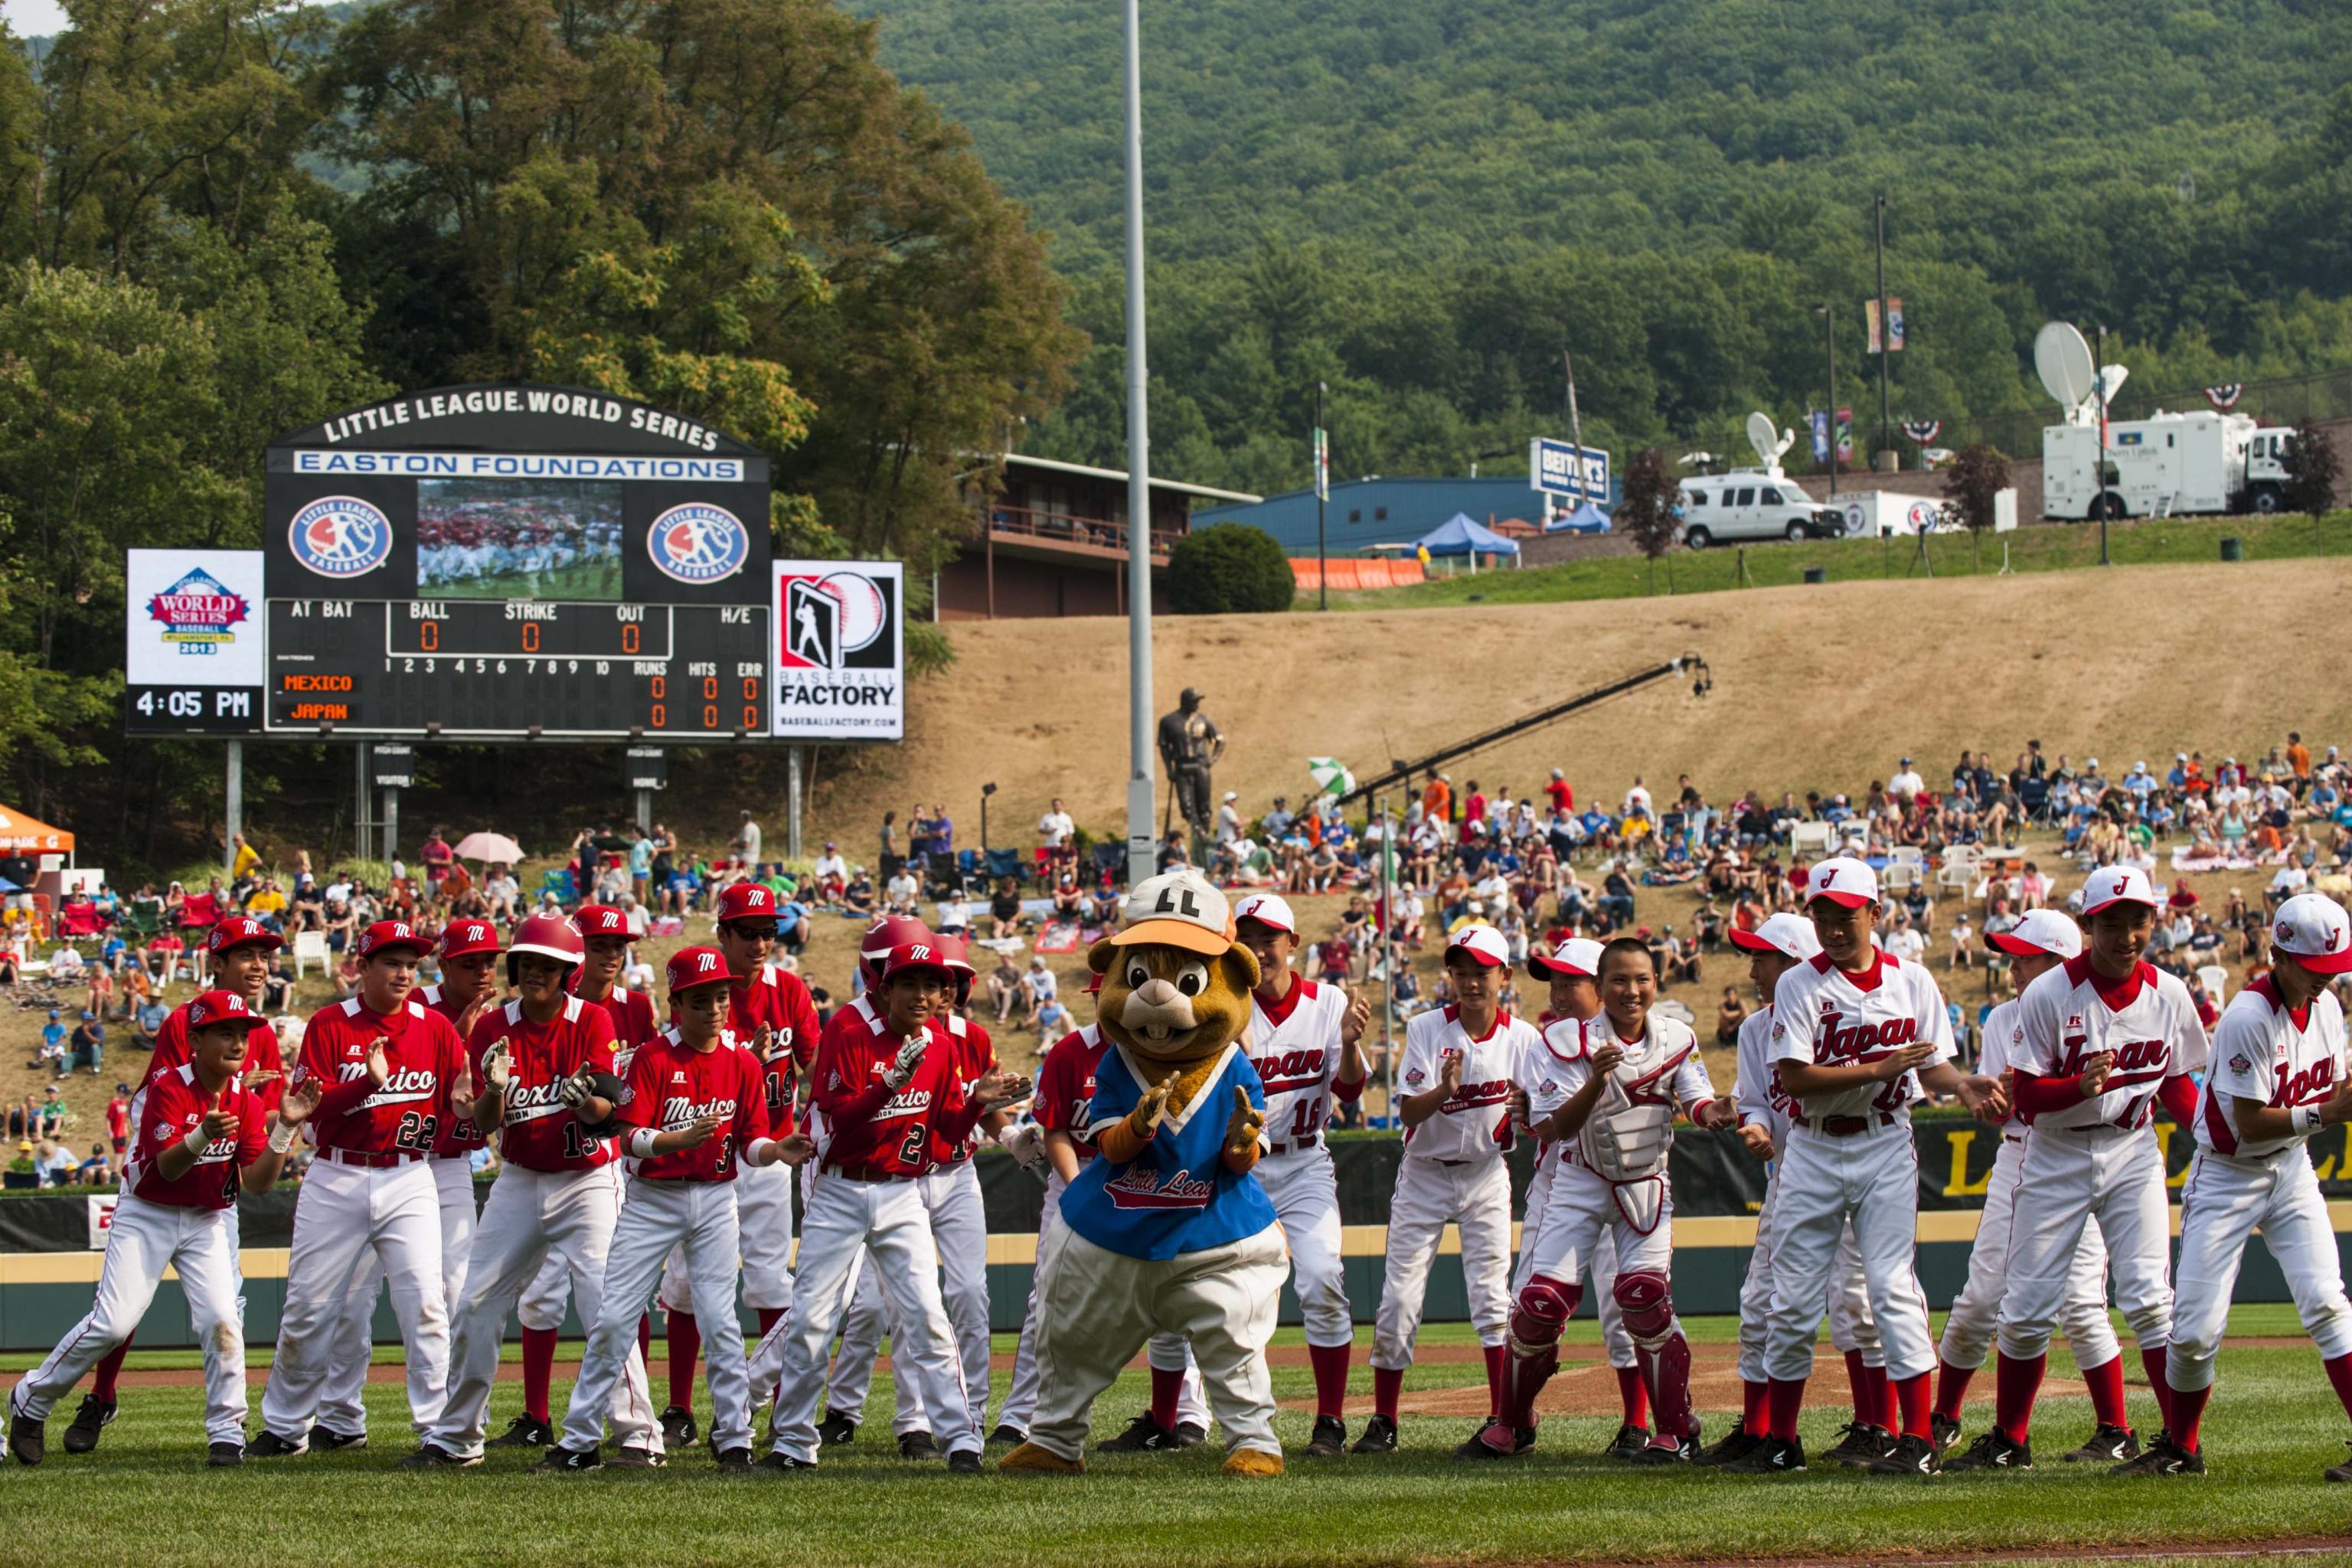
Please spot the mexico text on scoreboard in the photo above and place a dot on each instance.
(511, 561)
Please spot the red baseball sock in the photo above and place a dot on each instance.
(645, 1341)
(1784, 1401)
(101, 1384)
(1865, 1397)
(2153, 1363)
(1498, 1362)
(768, 1316)
(1754, 1419)
(1330, 1365)
(684, 1344)
(538, 1368)
(1883, 1388)
(1633, 1396)
(1167, 1388)
(2188, 1413)
(2339, 1373)
(2106, 1382)
(1951, 1389)
(1387, 1386)
(2018, 1381)
(1912, 1404)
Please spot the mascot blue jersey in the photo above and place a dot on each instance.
(1176, 1196)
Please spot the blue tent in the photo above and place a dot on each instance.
(1586, 519)
(1457, 535)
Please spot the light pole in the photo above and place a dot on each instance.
(1829, 417)
(2099, 389)
(1139, 487)
(985, 791)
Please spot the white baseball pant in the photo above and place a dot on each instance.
(540, 1305)
(763, 1207)
(1098, 1307)
(697, 1218)
(1580, 1215)
(532, 1218)
(1602, 1265)
(677, 1294)
(345, 1216)
(888, 1219)
(1870, 1181)
(960, 1229)
(1305, 1188)
(1852, 1328)
(1431, 1195)
(2115, 1175)
(341, 1407)
(2226, 1199)
(1021, 1399)
(145, 1240)
(1976, 1310)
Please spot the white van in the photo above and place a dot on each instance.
(1751, 503)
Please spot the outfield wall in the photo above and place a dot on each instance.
(48, 1264)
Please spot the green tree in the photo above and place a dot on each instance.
(1646, 512)
(1228, 568)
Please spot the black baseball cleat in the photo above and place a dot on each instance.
(434, 1457)
(1945, 1430)
(639, 1460)
(1629, 1440)
(1665, 1450)
(2162, 1457)
(918, 1446)
(1330, 1438)
(269, 1444)
(834, 1430)
(1476, 1447)
(561, 1459)
(776, 1462)
(326, 1441)
(678, 1427)
(1910, 1455)
(1731, 1447)
(2108, 1445)
(735, 1459)
(1380, 1437)
(27, 1439)
(224, 1456)
(1996, 1450)
(1771, 1455)
(1862, 1444)
(95, 1416)
(1144, 1435)
(2342, 1472)
(524, 1432)
(1007, 1436)
(964, 1462)
(1190, 1434)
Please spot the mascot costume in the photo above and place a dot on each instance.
(1168, 1231)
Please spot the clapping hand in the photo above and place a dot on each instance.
(498, 1066)
(219, 1120)
(997, 1087)
(909, 1057)
(299, 1101)
(1895, 1063)
(1242, 1127)
(2095, 1074)
(1144, 1119)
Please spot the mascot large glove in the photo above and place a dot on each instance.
(1241, 1131)
(1144, 1119)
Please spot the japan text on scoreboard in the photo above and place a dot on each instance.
(840, 651)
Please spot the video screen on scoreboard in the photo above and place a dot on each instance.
(519, 538)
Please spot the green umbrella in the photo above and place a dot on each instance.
(1331, 776)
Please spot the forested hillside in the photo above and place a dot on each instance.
(1422, 203)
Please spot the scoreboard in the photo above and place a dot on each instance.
(474, 668)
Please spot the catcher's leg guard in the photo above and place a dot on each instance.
(1541, 1311)
(1645, 1299)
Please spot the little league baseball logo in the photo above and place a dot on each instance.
(340, 537)
(699, 542)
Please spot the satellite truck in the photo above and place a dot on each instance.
(1761, 502)
(2167, 465)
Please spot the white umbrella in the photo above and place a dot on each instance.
(1331, 777)
(496, 847)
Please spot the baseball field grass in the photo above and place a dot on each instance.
(146, 1497)
(591, 580)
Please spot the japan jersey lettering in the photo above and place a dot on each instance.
(1824, 1016)
(537, 1130)
(775, 999)
(261, 1055)
(1475, 1124)
(1066, 1087)
(1759, 1095)
(460, 1136)
(166, 1109)
(1176, 1195)
(2073, 1014)
(2264, 1053)
(672, 1086)
(406, 1114)
(1294, 1044)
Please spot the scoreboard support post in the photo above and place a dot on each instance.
(363, 801)
(233, 805)
(792, 802)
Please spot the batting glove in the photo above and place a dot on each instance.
(910, 1057)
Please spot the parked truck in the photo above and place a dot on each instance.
(2169, 464)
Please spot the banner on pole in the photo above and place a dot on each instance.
(1819, 421)
(1845, 435)
(1322, 463)
(1893, 324)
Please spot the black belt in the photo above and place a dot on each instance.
(1847, 1126)
(1296, 1145)
(848, 1175)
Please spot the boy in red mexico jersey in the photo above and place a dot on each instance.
(883, 1092)
(605, 952)
(2279, 1076)
(239, 947)
(774, 1016)
(546, 1062)
(201, 1136)
(1460, 1064)
(467, 954)
(393, 1071)
(2095, 1044)
(693, 1114)
(1062, 1139)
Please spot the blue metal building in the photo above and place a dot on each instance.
(1365, 512)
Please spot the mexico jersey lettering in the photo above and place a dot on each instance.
(166, 1109)
(460, 1136)
(2266, 1054)
(1176, 1195)
(1474, 1123)
(261, 1055)
(1066, 1087)
(2073, 1012)
(1294, 1044)
(1826, 1018)
(1760, 1097)
(672, 1086)
(537, 1130)
(406, 1114)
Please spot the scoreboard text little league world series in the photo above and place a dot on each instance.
(510, 563)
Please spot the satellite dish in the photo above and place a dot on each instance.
(2110, 377)
(2064, 360)
(1762, 434)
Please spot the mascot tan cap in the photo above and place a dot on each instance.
(1178, 908)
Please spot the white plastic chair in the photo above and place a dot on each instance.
(2215, 978)
(1811, 837)
(310, 947)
